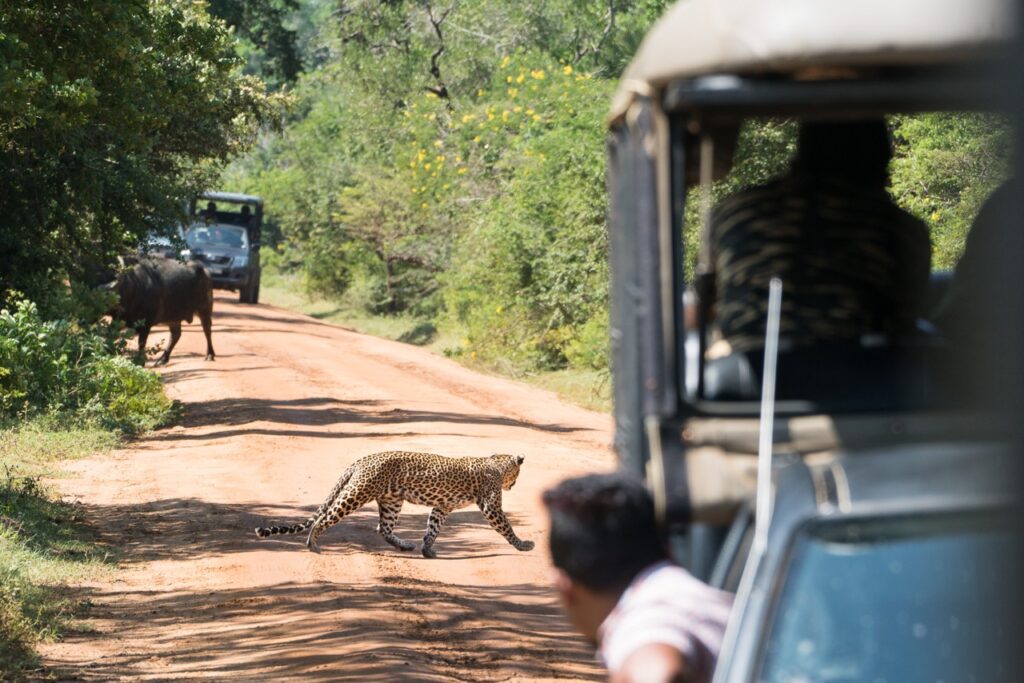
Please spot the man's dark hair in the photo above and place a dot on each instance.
(603, 531)
(856, 151)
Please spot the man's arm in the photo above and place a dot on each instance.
(654, 663)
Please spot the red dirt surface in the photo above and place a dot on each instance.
(266, 431)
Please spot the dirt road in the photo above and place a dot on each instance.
(267, 429)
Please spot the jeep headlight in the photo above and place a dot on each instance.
(241, 261)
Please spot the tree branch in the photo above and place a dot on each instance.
(441, 90)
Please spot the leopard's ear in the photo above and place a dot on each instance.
(520, 459)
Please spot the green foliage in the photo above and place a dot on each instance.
(531, 268)
(446, 162)
(945, 167)
(268, 43)
(65, 368)
(112, 114)
(41, 543)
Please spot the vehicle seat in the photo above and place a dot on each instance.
(839, 377)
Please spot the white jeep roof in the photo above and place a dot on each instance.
(705, 37)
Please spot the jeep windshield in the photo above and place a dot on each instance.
(218, 236)
(891, 600)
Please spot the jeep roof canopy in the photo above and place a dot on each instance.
(232, 198)
(761, 37)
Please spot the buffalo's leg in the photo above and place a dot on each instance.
(204, 318)
(175, 336)
(143, 335)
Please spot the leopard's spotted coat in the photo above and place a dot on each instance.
(393, 477)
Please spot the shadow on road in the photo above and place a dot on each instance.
(159, 530)
(320, 412)
(391, 629)
(394, 629)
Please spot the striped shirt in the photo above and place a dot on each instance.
(665, 604)
(851, 262)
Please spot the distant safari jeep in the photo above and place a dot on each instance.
(224, 235)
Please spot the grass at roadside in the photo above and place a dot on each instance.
(42, 543)
(587, 388)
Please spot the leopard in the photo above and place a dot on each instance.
(394, 477)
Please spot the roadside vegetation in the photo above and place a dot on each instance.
(443, 171)
(112, 114)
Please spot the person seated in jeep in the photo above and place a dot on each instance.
(209, 214)
(851, 261)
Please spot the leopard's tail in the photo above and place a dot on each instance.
(265, 531)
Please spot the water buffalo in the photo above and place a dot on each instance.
(159, 291)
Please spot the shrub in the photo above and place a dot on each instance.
(66, 367)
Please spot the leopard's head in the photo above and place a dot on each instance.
(509, 468)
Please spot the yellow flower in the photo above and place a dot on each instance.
(512, 92)
(537, 74)
(476, 139)
(439, 158)
(517, 109)
(421, 155)
(529, 112)
(480, 93)
(490, 116)
(406, 113)
(936, 215)
(520, 78)
(431, 116)
(536, 117)
(498, 309)
(426, 166)
(505, 61)
(438, 143)
(414, 190)
(468, 117)
(458, 159)
(423, 205)
(508, 79)
(462, 170)
(504, 115)
(567, 70)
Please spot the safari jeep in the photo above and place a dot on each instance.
(224, 235)
(857, 502)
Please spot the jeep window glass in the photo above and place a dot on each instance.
(217, 235)
(944, 166)
(908, 599)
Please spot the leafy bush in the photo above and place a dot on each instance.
(946, 165)
(65, 367)
(41, 546)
